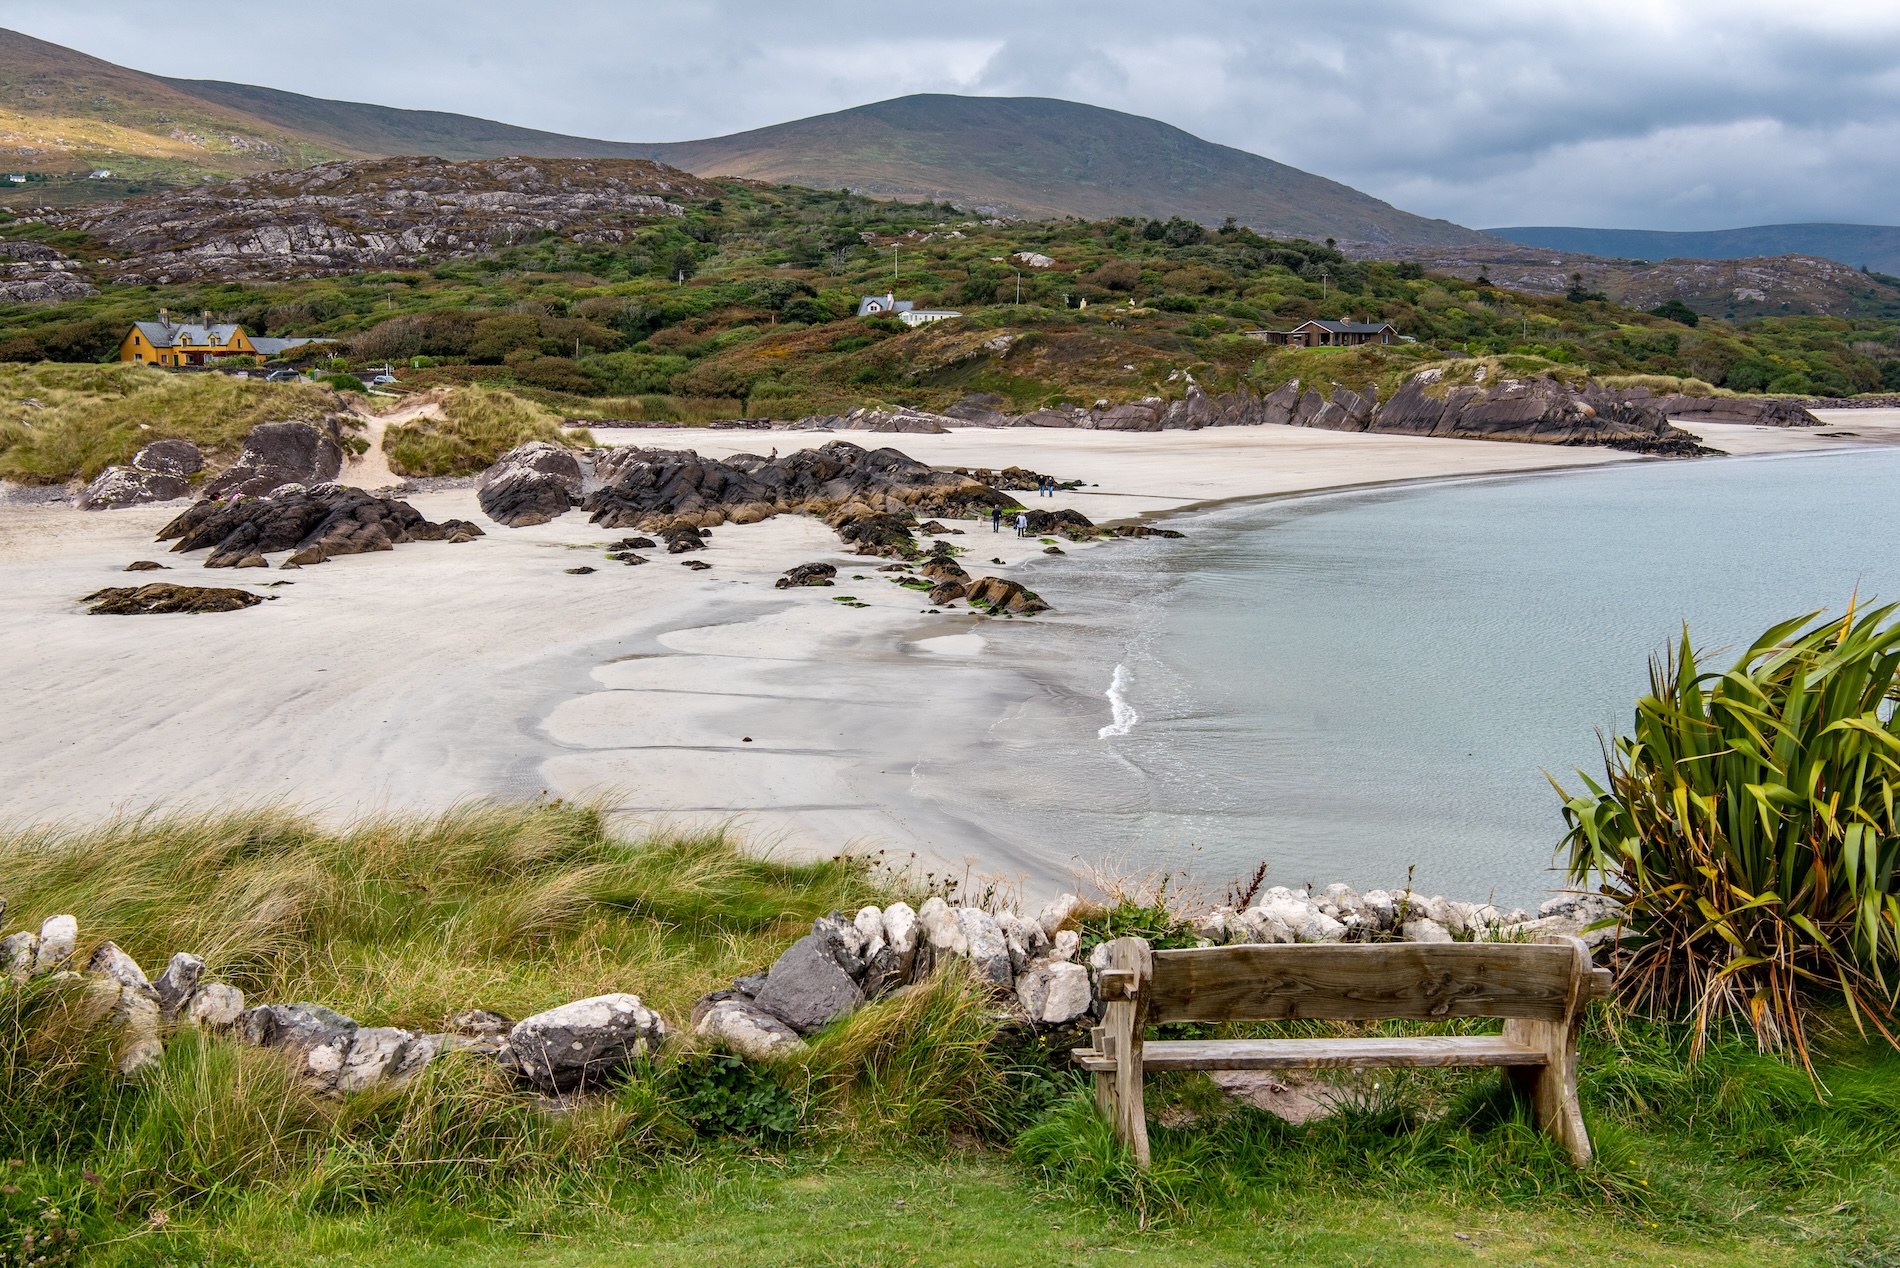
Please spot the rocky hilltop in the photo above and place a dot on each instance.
(387, 213)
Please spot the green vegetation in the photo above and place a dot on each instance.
(764, 323)
(919, 1127)
(1748, 828)
(64, 422)
(477, 426)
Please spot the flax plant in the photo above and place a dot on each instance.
(1748, 829)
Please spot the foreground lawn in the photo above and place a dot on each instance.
(975, 1210)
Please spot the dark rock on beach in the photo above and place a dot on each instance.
(530, 484)
(314, 524)
(145, 565)
(159, 472)
(276, 454)
(163, 597)
(812, 574)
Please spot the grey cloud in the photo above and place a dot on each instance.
(1614, 112)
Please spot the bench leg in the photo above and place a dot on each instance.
(1123, 1024)
(1552, 1088)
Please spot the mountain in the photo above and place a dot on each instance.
(1036, 156)
(1019, 156)
(1876, 246)
(65, 115)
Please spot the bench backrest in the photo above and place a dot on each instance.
(1366, 982)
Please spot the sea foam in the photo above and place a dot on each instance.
(1123, 713)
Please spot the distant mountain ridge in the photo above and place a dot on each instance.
(1022, 156)
(1875, 246)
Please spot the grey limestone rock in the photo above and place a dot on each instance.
(59, 937)
(585, 1041)
(1054, 992)
(128, 486)
(842, 938)
(747, 1030)
(1425, 929)
(806, 988)
(987, 949)
(176, 984)
(109, 961)
(17, 954)
(374, 1054)
(481, 1023)
(215, 1006)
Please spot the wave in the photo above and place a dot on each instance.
(1120, 710)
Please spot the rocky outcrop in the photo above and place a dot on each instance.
(276, 454)
(530, 484)
(41, 277)
(871, 497)
(917, 422)
(163, 597)
(354, 217)
(313, 524)
(993, 594)
(159, 472)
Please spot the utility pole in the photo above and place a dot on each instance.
(1019, 288)
(894, 250)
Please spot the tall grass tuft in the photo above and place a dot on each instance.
(478, 425)
(1748, 829)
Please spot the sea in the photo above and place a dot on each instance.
(1375, 685)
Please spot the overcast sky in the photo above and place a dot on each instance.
(1650, 114)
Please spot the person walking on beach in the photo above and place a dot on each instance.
(1022, 526)
(996, 519)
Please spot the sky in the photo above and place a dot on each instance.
(1641, 114)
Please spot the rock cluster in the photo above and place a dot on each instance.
(314, 524)
(1340, 914)
(560, 1050)
(845, 961)
(276, 454)
(530, 484)
(117, 992)
(159, 472)
(871, 497)
(163, 597)
(353, 217)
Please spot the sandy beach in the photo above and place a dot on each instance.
(412, 680)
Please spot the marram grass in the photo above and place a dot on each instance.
(477, 426)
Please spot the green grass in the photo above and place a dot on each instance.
(66, 422)
(918, 1130)
(478, 425)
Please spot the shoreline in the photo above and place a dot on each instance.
(436, 674)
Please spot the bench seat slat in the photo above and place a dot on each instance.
(1311, 1054)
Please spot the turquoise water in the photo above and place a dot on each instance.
(1351, 685)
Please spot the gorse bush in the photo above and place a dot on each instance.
(1748, 829)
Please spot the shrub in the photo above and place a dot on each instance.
(345, 383)
(1748, 828)
(1676, 310)
(478, 425)
(723, 1095)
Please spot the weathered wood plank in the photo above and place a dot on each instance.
(1348, 982)
(1319, 1054)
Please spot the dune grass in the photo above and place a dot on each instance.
(478, 425)
(919, 1128)
(66, 422)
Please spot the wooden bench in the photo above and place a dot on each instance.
(1540, 990)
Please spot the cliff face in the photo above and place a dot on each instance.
(355, 217)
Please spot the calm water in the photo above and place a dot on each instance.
(1349, 685)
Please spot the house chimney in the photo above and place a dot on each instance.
(165, 318)
(207, 319)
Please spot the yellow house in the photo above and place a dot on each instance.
(165, 342)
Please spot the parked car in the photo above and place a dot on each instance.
(381, 379)
(282, 376)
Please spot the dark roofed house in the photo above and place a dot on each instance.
(1331, 334)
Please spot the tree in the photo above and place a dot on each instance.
(1676, 310)
(684, 264)
(1580, 294)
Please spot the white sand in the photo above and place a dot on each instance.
(416, 679)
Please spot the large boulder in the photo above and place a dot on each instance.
(999, 595)
(1054, 992)
(163, 597)
(159, 472)
(812, 574)
(277, 454)
(585, 1041)
(806, 987)
(316, 1039)
(530, 484)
